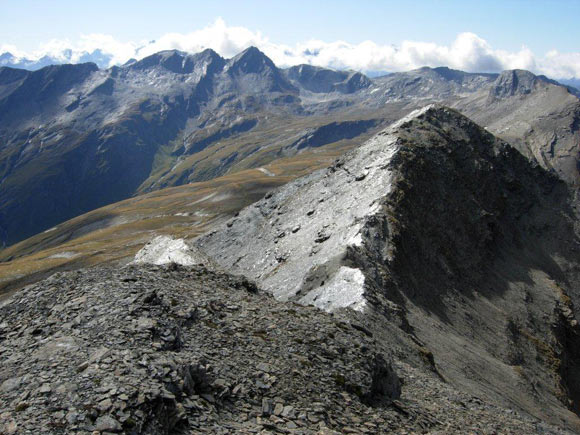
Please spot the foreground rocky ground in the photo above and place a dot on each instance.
(173, 349)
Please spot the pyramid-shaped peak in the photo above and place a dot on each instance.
(208, 53)
(434, 112)
(251, 51)
(437, 126)
(207, 56)
(251, 60)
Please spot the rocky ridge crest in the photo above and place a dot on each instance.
(436, 226)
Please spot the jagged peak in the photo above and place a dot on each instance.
(176, 61)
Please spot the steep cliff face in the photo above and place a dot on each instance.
(442, 229)
(484, 258)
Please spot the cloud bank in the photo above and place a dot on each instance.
(468, 52)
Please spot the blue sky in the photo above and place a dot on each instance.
(541, 25)
(509, 25)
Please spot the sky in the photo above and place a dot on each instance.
(486, 36)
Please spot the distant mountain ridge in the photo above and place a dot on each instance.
(76, 137)
(104, 60)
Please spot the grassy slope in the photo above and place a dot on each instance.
(114, 233)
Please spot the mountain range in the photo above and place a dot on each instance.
(195, 244)
(76, 137)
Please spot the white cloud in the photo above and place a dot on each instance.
(468, 52)
(227, 41)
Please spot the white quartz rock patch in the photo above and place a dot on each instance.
(65, 254)
(165, 250)
(344, 290)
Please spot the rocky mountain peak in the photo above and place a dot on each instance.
(251, 60)
(253, 71)
(514, 82)
(172, 60)
(430, 223)
(322, 80)
(307, 228)
(208, 54)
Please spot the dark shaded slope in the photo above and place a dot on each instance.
(94, 169)
(40, 91)
(482, 250)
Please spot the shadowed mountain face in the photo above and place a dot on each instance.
(74, 138)
(439, 227)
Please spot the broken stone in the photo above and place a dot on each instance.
(98, 355)
(267, 406)
(106, 423)
(288, 411)
(278, 409)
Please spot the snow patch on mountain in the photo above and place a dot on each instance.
(165, 250)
